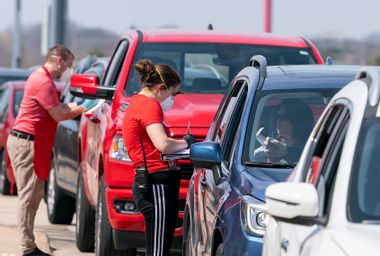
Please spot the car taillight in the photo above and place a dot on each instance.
(118, 150)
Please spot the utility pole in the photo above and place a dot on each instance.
(58, 22)
(16, 55)
(54, 24)
(268, 16)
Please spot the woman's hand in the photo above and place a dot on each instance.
(163, 143)
(276, 148)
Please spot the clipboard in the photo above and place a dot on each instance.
(180, 154)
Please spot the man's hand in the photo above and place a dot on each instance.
(190, 139)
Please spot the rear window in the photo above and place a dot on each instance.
(209, 67)
(280, 123)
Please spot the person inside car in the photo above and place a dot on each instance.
(294, 122)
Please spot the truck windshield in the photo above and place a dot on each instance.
(209, 67)
(364, 191)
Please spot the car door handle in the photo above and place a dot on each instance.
(203, 182)
(69, 132)
(285, 244)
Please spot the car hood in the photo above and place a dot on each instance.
(199, 109)
(254, 180)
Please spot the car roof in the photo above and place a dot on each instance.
(214, 36)
(310, 76)
(20, 84)
(14, 72)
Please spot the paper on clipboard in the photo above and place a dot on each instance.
(98, 104)
(180, 154)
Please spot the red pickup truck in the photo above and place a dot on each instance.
(207, 61)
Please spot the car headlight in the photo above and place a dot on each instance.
(255, 217)
(118, 150)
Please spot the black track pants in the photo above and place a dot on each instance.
(159, 206)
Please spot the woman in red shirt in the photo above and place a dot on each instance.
(156, 186)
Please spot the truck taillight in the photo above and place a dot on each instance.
(118, 150)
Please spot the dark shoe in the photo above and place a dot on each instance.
(37, 252)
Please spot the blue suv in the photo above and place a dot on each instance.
(255, 140)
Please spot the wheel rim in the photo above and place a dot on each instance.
(78, 209)
(2, 173)
(51, 191)
(98, 226)
(189, 243)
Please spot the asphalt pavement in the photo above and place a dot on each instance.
(58, 240)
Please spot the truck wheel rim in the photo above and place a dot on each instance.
(51, 191)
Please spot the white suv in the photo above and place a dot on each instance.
(331, 202)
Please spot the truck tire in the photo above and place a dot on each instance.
(5, 186)
(103, 230)
(60, 207)
(85, 220)
(219, 250)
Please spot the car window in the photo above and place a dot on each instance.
(4, 104)
(116, 63)
(280, 123)
(225, 112)
(18, 95)
(207, 68)
(364, 190)
(228, 139)
(324, 157)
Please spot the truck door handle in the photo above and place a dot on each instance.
(203, 182)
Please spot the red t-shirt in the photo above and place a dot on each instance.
(40, 94)
(141, 112)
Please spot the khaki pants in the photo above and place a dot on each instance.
(30, 188)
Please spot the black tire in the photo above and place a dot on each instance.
(103, 230)
(60, 207)
(5, 186)
(219, 250)
(85, 221)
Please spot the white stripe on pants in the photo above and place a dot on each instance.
(160, 218)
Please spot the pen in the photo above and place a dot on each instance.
(188, 127)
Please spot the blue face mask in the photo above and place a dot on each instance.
(167, 104)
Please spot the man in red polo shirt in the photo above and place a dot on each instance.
(31, 140)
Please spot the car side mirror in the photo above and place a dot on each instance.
(293, 202)
(87, 86)
(205, 154)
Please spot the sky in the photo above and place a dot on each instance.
(338, 18)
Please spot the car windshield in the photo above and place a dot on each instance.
(280, 124)
(209, 67)
(17, 101)
(364, 190)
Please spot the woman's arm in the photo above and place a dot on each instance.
(163, 143)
